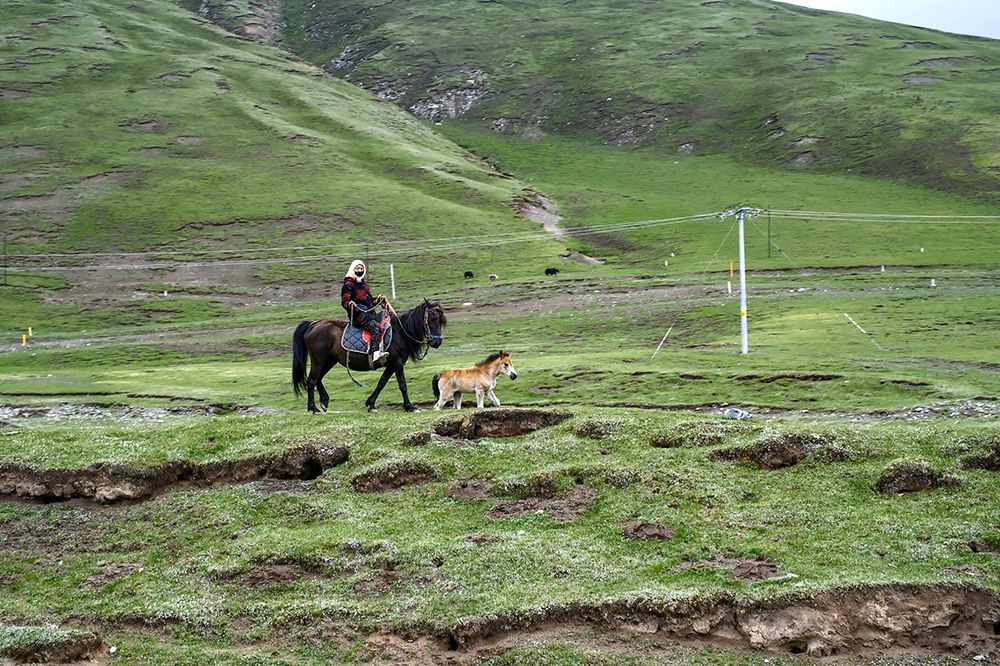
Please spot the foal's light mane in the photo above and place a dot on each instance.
(489, 359)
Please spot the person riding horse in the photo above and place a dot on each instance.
(357, 299)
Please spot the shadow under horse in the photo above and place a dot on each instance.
(413, 332)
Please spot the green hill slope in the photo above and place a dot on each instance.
(762, 81)
(142, 127)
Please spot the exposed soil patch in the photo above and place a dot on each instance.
(381, 580)
(499, 423)
(563, 509)
(983, 546)
(173, 76)
(535, 206)
(54, 647)
(63, 200)
(189, 140)
(647, 531)
(804, 159)
(471, 489)
(108, 574)
(392, 475)
(919, 45)
(142, 125)
(114, 483)
(262, 575)
(800, 377)
(922, 80)
(785, 450)
(940, 619)
(739, 569)
(948, 62)
(20, 153)
(416, 439)
(906, 476)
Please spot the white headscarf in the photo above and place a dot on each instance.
(355, 264)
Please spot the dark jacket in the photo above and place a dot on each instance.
(357, 291)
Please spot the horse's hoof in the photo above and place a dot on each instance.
(324, 406)
(411, 408)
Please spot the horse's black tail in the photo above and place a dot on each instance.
(299, 353)
(434, 385)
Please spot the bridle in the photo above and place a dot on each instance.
(428, 338)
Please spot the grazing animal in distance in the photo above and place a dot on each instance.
(319, 342)
(551, 271)
(469, 274)
(480, 378)
(493, 276)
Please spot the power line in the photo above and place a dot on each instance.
(829, 213)
(413, 251)
(571, 231)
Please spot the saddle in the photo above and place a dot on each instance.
(356, 340)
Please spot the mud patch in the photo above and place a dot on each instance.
(922, 80)
(393, 475)
(647, 531)
(562, 509)
(32, 645)
(108, 574)
(115, 483)
(910, 476)
(499, 423)
(264, 575)
(189, 140)
(22, 153)
(785, 450)
(471, 489)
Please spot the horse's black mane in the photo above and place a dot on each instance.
(489, 359)
(412, 323)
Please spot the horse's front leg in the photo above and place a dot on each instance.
(480, 395)
(401, 380)
(493, 397)
(382, 381)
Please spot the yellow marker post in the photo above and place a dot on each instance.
(24, 340)
(29, 332)
(730, 270)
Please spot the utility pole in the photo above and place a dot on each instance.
(768, 232)
(742, 213)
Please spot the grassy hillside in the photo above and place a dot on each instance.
(143, 128)
(761, 81)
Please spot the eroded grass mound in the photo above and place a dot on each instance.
(393, 474)
(31, 645)
(785, 450)
(113, 483)
(910, 476)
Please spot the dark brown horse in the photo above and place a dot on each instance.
(412, 333)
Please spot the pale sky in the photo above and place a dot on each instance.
(968, 17)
